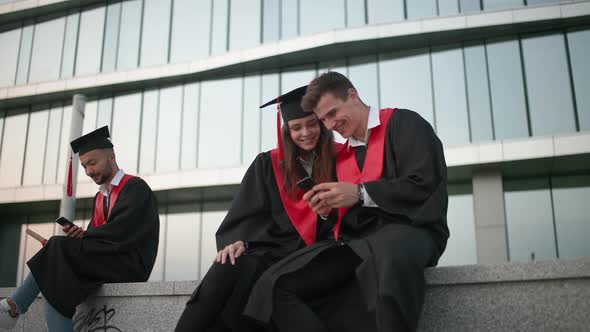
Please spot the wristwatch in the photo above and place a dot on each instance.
(361, 192)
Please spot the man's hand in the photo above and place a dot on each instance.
(73, 231)
(232, 251)
(334, 195)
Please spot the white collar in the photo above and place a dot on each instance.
(105, 189)
(372, 122)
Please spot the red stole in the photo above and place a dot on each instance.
(347, 168)
(302, 217)
(98, 219)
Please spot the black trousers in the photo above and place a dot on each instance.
(322, 296)
(218, 302)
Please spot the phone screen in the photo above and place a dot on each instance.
(63, 221)
(306, 184)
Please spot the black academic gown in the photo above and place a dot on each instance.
(124, 249)
(257, 216)
(395, 241)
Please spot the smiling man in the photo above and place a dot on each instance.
(119, 245)
(392, 201)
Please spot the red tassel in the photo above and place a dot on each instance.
(69, 184)
(279, 137)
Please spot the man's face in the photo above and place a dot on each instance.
(337, 114)
(97, 164)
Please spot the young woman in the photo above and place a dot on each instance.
(267, 221)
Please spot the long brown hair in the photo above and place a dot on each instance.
(323, 165)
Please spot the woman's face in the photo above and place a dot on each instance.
(305, 132)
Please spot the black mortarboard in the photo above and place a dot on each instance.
(289, 106)
(98, 139)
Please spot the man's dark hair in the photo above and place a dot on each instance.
(332, 82)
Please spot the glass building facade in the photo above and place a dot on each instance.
(474, 89)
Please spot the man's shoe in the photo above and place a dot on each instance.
(6, 320)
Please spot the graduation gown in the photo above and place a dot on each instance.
(124, 249)
(407, 232)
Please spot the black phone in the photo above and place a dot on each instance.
(306, 184)
(64, 221)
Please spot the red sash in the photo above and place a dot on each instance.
(302, 217)
(347, 168)
(98, 219)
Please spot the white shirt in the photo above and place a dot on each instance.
(372, 122)
(106, 189)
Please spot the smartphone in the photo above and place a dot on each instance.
(306, 184)
(64, 221)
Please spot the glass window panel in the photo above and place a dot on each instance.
(90, 113)
(24, 57)
(382, 11)
(507, 89)
(469, 6)
(448, 7)
(217, 109)
(452, 123)
(47, 47)
(191, 27)
(125, 130)
(289, 18)
(129, 34)
(501, 4)
(423, 8)
(13, 149)
(362, 72)
(213, 214)
(90, 41)
(64, 144)
(169, 131)
(295, 77)
(548, 85)
(111, 37)
(149, 131)
(244, 25)
(9, 245)
(158, 269)
(9, 43)
(461, 248)
(270, 20)
(219, 27)
(33, 246)
(540, 2)
(251, 131)
(190, 126)
(529, 220)
(317, 16)
(268, 117)
(405, 82)
(70, 42)
(156, 28)
(478, 93)
(52, 149)
(570, 199)
(105, 112)
(35, 153)
(355, 13)
(182, 243)
(579, 48)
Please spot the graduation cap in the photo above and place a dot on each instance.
(289, 106)
(98, 139)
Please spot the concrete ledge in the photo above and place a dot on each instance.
(329, 44)
(547, 295)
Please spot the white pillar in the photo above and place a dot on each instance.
(68, 203)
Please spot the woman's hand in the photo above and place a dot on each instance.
(232, 252)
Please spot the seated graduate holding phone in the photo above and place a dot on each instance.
(119, 245)
(267, 220)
